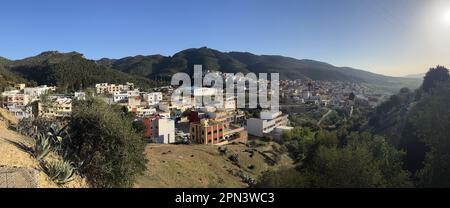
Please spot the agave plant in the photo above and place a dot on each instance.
(56, 134)
(42, 146)
(60, 172)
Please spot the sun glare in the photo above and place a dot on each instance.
(447, 17)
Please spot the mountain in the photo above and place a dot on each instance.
(72, 71)
(6, 76)
(417, 76)
(233, 62)
(69, 71)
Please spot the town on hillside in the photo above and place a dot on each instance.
(167, 122)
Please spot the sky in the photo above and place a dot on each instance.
(391, 37)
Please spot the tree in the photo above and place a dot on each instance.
(431, 122)
(105, 141)
(366, 161)
(434, 76)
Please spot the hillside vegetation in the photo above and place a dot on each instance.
(68, 71)
(72, 71)
(233, 62)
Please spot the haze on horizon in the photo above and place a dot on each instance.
(391, 37)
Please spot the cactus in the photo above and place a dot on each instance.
(42, 146)
(60, 172)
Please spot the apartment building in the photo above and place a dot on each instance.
(21, 112)
(18, 100)
(160, 130)
(57, 107)
(153, 98)
(267, 122)
(36, 92)
(103, 88)
(216, 133)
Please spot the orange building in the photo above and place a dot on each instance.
(215, 133)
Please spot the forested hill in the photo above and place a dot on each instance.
(71, 71)
(214, 60)
(418, 122)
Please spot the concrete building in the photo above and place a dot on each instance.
(79, 96)
(57, 107)
(142, 111)
(153, 98)
(119, 97)
(102, 88)
(18, 100)
(216, 133)
(19, 86)
(36, 92)
(21, 112)
(160, 130)
(267, 122)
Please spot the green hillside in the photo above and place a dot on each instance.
(72, 71)
(289, 68)
(69, 71)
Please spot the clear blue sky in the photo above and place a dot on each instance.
(383, 36)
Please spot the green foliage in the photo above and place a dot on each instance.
(283, 178)
(71, 72)
(42, 146)
(431, 123)
(105, 140)
(60, 172)
(365, 161)
(158, 66)
(435, 76)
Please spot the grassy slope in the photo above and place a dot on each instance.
(189, 166)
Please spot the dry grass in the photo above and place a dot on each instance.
(187, 166)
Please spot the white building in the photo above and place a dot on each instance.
(21, 112)
(163, 130)
(79, 96)
(120, 97)
(102, 88)
(267, 122)
(36, 92)
(57, 107)
(153, 98)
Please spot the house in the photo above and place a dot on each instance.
(79, 96)
(19, 86)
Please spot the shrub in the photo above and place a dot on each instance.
(104, 139)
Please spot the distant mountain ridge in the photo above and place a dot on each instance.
(214, 60)
(72, 70)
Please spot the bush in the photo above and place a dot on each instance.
(103, 138)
